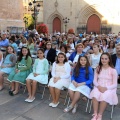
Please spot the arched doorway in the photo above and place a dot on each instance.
(56, 25)
(93, 24)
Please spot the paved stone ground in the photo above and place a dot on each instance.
(14, 108)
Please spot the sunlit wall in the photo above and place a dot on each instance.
(110, 9)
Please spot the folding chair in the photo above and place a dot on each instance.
(6, 82)
(44, 88)
(45, 85)
(5, 75)
(112, 110)
(87, 105)
(23, 86)
(65, 97)
(49, 72)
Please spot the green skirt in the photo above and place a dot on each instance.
(19, 77)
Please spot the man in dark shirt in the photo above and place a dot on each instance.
(50, 53)
(116, 61)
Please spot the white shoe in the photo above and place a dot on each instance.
(55, 105)
(67, 109)
(51, 104)
(31, 100)
(26, 100)
(74, 108)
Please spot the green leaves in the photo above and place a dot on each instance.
(30, 20)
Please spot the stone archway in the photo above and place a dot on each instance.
(56, 15)
(93, 24)
(56, 25)
(84, 14)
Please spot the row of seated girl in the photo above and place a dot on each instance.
(104, 79)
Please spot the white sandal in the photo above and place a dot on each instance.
(75, 108)
(67, 109)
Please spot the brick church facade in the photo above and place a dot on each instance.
(11, 15)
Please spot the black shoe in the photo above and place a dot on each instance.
(1, 88)
(11, 93)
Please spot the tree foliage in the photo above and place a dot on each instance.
(30, 20)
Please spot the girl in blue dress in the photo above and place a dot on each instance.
(21, 71)
(82, 79)
(8, 64)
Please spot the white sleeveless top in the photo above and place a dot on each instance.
(95, 60)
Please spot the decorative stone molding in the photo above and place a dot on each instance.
(56, 4)
(86, 12)
(54, 15)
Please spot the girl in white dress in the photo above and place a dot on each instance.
(40, 74)
(60, 78)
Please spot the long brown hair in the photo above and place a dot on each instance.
(99, 68)
(30, 40)
(110, 43)
(78, 66)
(21, 54)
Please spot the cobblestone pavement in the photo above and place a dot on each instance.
(14, 108)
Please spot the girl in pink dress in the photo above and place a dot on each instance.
(105, 86)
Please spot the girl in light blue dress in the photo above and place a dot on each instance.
(8, 64)
(39, 74)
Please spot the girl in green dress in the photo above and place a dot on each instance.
(22, 70)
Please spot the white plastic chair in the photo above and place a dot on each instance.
(44, 88)
(87, 105)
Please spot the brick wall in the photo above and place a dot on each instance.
(11, 13)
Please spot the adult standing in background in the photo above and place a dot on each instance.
(116, 61)
(50, 53)
(78, 52)
(4, 42)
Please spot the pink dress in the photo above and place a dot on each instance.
(106, 78)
